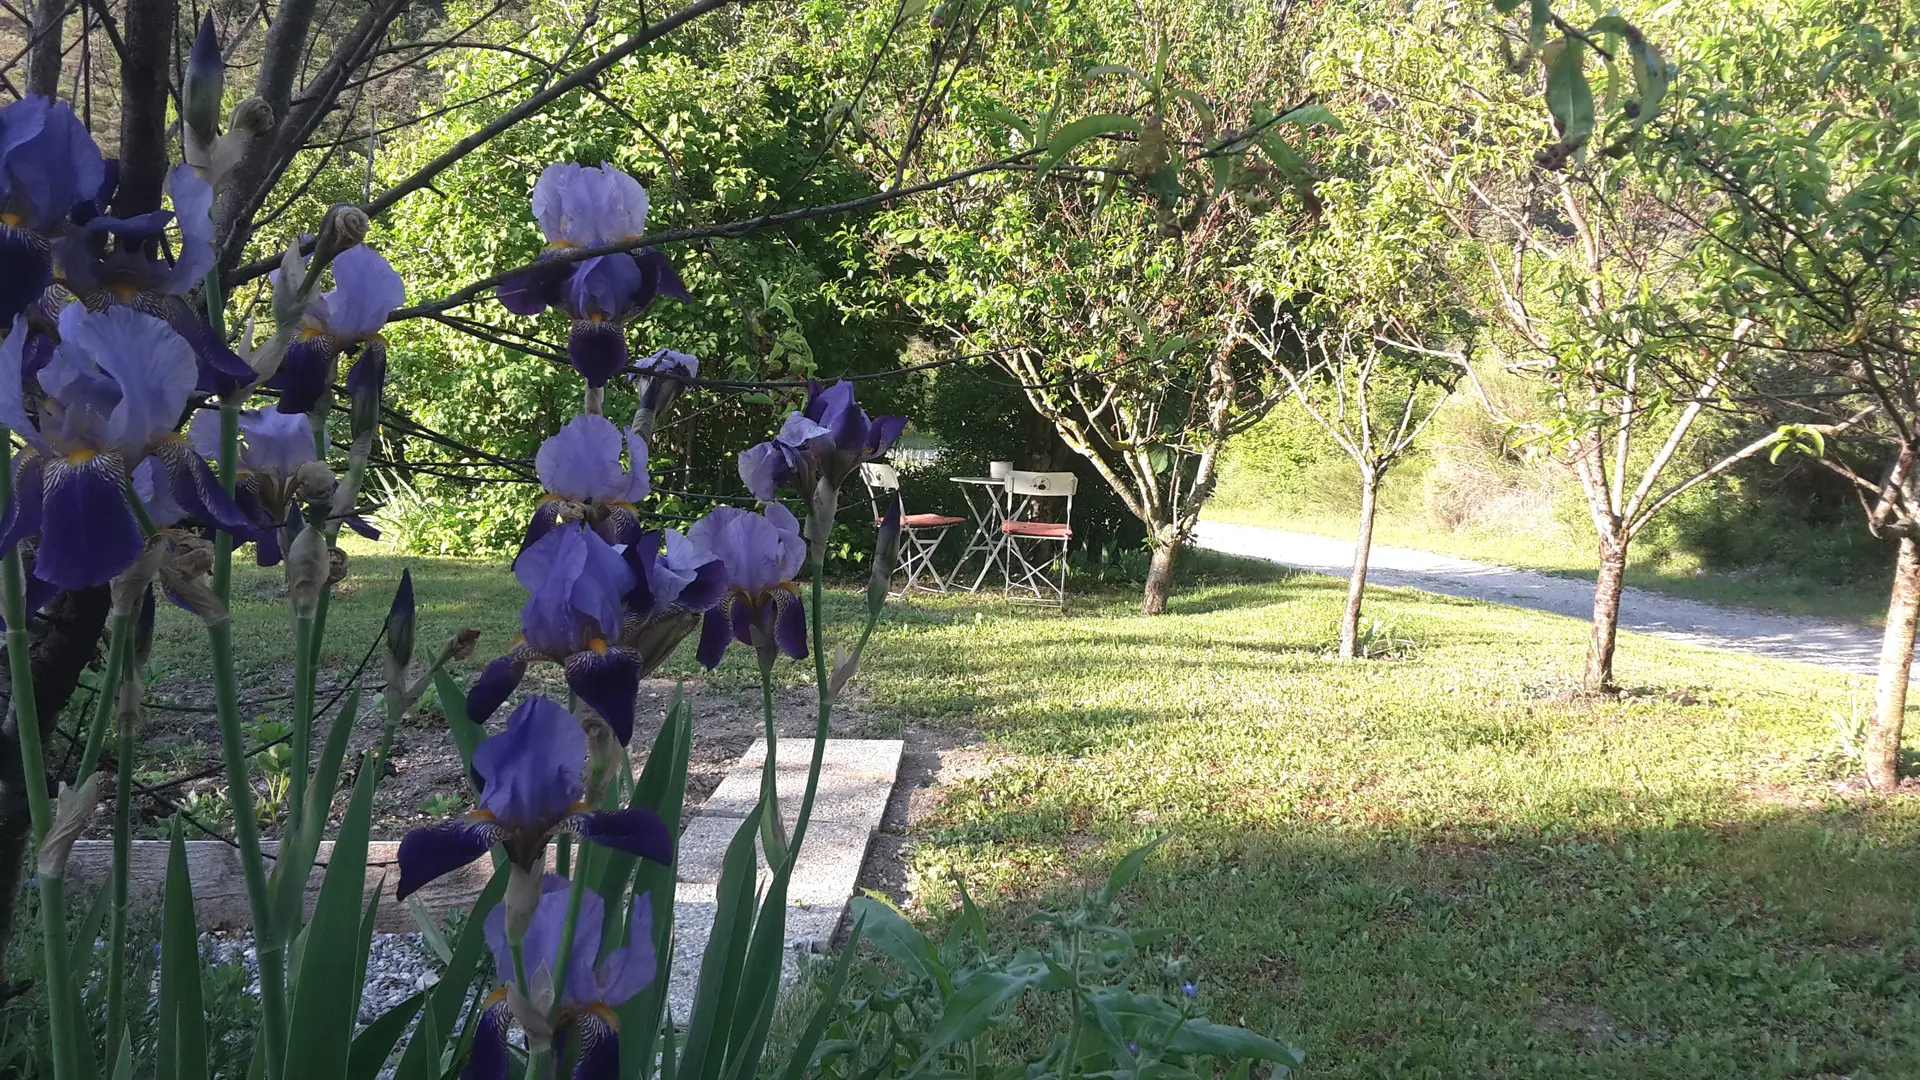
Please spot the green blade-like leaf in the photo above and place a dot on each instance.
(972, 1007)
(325, 996)
(1002, 115)
(663, 786)
(376, 1041)
(1072, 135)
(294, 867)
(719, 986)
(80, 952)
(760, 980)
(894, 935)
(183, 1018)
(1129, 868)
(123, 1064)
(453, 702)
(803, 1051)
(448, 998)
(431, 934)
(1569, 98)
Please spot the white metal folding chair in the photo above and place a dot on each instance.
(1036, 551)
(920, 534)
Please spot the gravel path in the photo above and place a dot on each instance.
(1838, 645)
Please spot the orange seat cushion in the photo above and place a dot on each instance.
(1055, 530)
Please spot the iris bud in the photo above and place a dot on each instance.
(400, 626)
(252, 116)
(206, 82)
(344, 226)
(307, 566)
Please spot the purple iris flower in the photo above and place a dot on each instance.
(672, 588)
(107, 399)
(266, 481)
(762, 608)
(48, 163)
(530, 779)
(580, 206)
(346, 317)
(823, 443)
(580, 468)
(114, 261)
(573, 617)
(594, 989)
(659, 379)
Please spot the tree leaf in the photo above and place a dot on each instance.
(1612, 24)
(1311, 114)
(1072, 135)
(1569, 98)
(1651, 76)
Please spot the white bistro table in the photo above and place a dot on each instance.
(986, 500)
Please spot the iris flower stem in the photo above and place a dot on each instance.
(823, 685)
(575, 893)
(119, 649)
(270, 949)
(773, 835)
(122, 853)
(33, 766)
(304, 675)
(228, 467)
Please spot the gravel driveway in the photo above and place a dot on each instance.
(1838, 645)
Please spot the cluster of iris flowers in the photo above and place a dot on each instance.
(106, 359)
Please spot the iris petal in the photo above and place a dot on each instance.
(88, 534)
(488, 1061)
(305, 373)
(530, 772)
(26, 269)
(599, 1049)
(437, 850)
(597, 350)
(500, 679)
(196, 488)
(23, 510)
(716, 633)
(635, 830)
(609, 681)
(790, 624)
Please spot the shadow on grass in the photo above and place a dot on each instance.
(1778, 946)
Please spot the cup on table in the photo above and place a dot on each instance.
(999, 470)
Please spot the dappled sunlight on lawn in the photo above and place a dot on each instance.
(1443, 864)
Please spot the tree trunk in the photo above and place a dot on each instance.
(1896, 665)
(1166, 551)
(43, 52)
(1357, 580)
(1606, 615)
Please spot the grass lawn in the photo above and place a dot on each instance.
(1863, 601)
(1437, 866)
(1434, 866)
